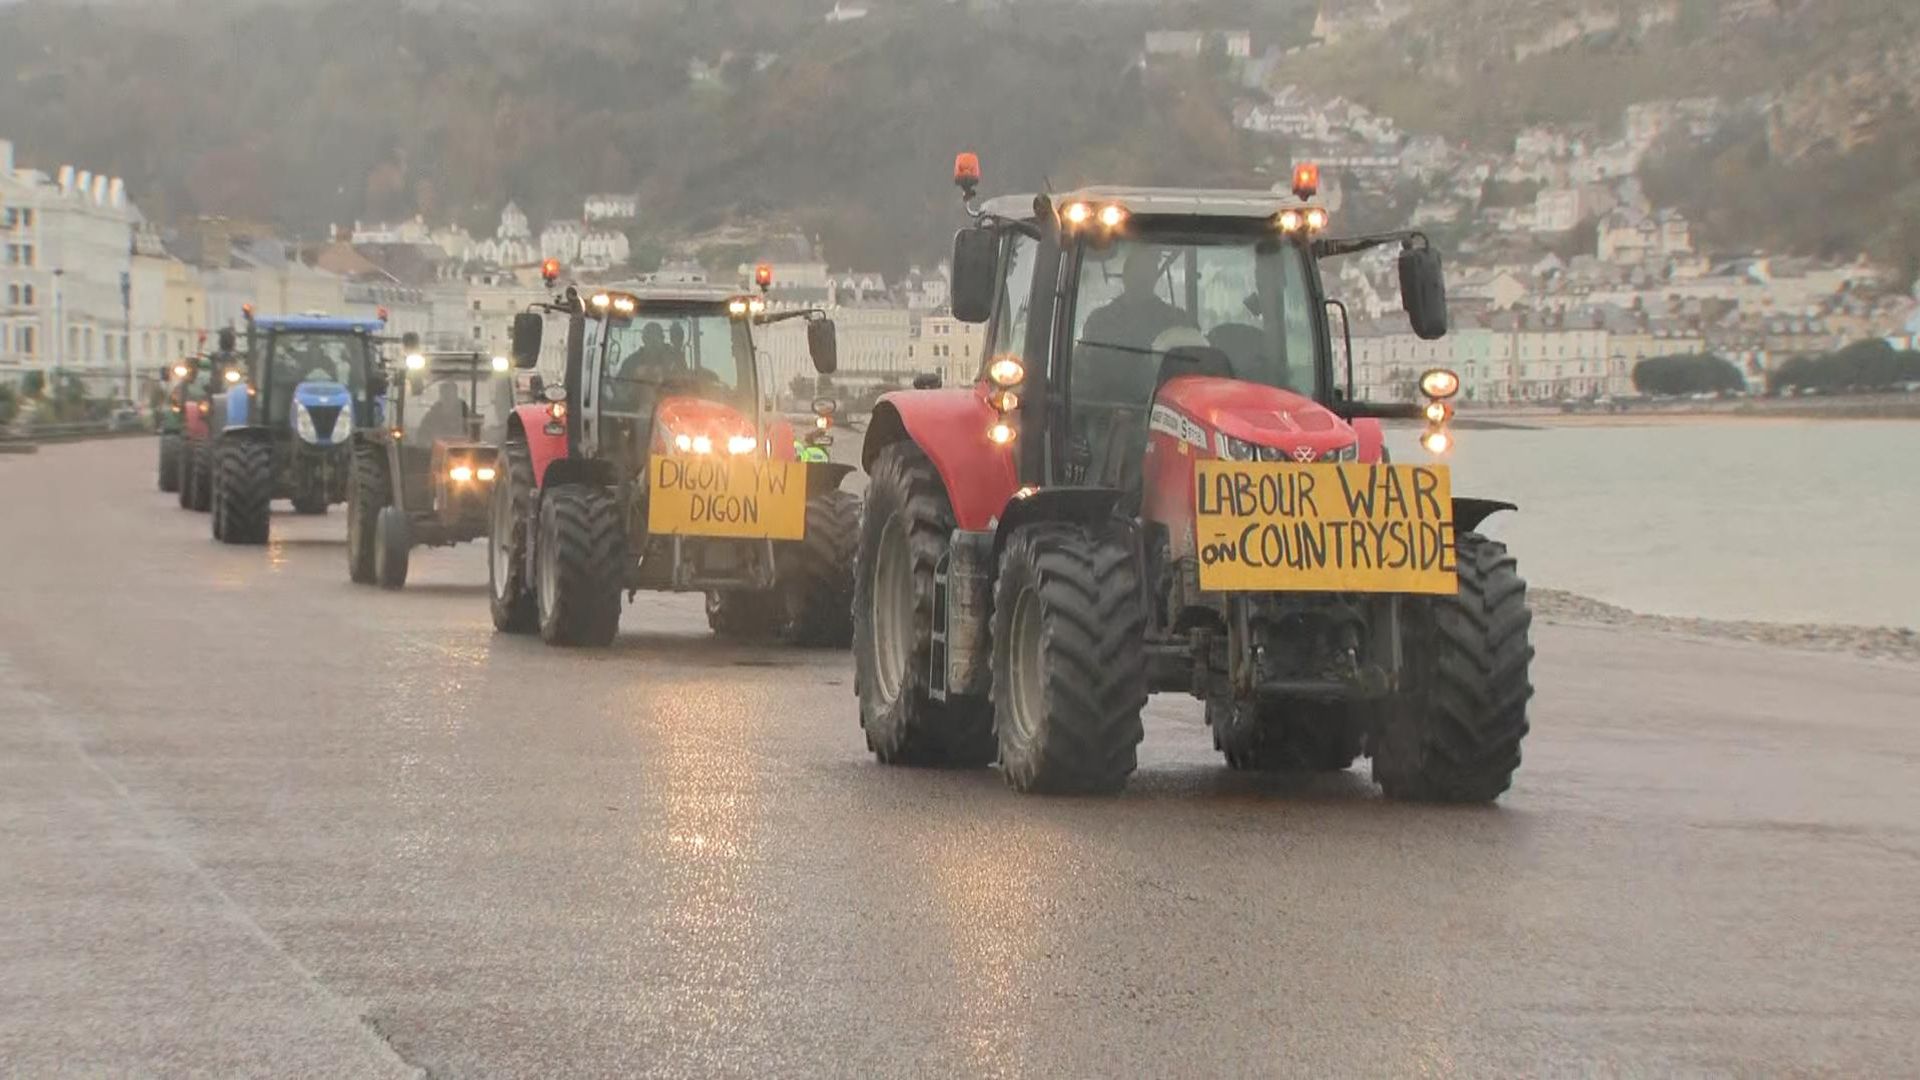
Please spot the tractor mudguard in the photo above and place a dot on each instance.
(543, 447)
(1469, 513)
(1373, 440)
(593, 471)
(824, 476)
(950, 427)
(1086, 505)
(250, 433)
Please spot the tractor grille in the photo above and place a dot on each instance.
(324, 417)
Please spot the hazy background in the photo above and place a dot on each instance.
(326, 111)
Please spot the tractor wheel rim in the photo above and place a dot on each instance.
(1027, 685)
(892, 608)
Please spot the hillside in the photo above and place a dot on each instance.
(336, 110)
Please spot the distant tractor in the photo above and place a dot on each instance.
(426, 475)
(171, 420)
(1160, 483)
(645, 455)
(285, 430)
(202, 407)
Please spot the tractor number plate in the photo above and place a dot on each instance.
(713, 496)
(1278, 527)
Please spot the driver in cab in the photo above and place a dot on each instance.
(1120, 335)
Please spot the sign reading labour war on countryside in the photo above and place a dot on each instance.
(1269, 526)
(713, 496)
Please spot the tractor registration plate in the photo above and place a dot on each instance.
(1277, 527)
(713, 496)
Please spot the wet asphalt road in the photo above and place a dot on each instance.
(255, 820)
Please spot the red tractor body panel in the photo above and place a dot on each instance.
(693, 417)
(193, 421)
(1192, 410)
(780, 433)
(950, 427)
(543, 447)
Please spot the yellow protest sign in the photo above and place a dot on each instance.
(1276, 527)
(738, 497)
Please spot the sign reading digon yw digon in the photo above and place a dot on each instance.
(1274, 527)
(739, 497)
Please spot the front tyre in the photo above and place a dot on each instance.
(579, 558)
(369, 490)
(815, 574)
(244, 490)
(509, 593)
(392, 543)
(170, 463)
(904, 529)
(1069, 658)
(1456, 737)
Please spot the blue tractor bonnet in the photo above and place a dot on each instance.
(319, 393)
(318, 323)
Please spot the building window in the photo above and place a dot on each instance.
(26, 340)
(26, 295)
(13, 295)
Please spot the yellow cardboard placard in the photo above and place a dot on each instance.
(1263, 526)
(706, 495)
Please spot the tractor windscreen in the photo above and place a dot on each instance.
(663, 351)
(299, 356)
(1235, 306)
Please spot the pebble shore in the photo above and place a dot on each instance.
(1876, 642)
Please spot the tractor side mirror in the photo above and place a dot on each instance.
(976, 253)
(527, 327)
(1423, 292)
(823, 345)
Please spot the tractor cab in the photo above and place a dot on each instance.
(307, 377)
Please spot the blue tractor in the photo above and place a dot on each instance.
(286, 430)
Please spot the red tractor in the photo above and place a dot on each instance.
(1159, 483)
(643, 454)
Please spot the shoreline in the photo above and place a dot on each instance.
(1869, 642)
(1879, 408)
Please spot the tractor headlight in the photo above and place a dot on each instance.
(343, 425)
(1233, 449)
(232, 376)
(1349, 452)
(303, 423)
(741, 444)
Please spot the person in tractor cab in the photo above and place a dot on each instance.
(1119, 336)
(447, 417)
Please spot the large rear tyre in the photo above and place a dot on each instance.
(392, 543)
(243, 491)
(1295, 737)
(1069, 658)
(1456, 736)
(904, 529)
(170, 463)
(198, 486)
(509, 592)
(369, 490)
(815, 574)
(579, 559)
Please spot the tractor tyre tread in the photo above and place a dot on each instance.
(245, 468)
(913, 728)
(369, 491)
(1093, 663)
(1459, 740)
(170, 445)
(816, 575)
(514, 610)
(581, 531)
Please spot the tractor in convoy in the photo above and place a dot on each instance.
(284, 430)
(201, 406)
(644, 454)
(180, 378)
(425, 476)
(1161, 481)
